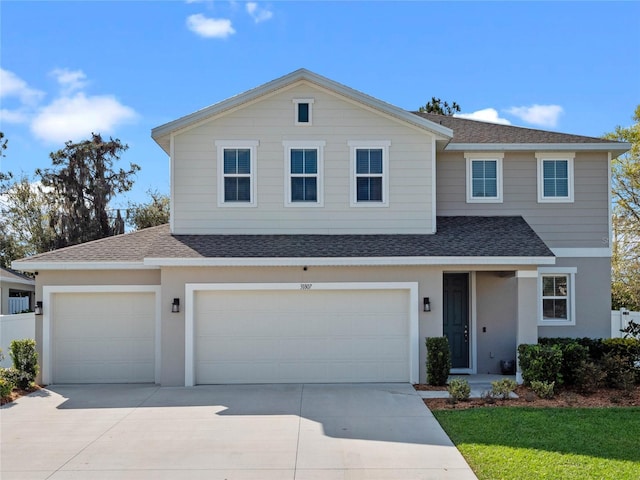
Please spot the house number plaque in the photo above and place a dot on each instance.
(306, 286)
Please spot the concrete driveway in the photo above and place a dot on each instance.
(362, 431)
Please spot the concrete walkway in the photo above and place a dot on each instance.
(480, 385)
(362, 431)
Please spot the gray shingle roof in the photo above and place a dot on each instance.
(456, 237)
(473, 131)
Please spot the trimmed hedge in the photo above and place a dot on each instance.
(615, 359)
(438, 360)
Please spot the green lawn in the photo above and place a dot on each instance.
(547, 443)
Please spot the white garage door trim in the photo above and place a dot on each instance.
(47, 337)
(192, 288)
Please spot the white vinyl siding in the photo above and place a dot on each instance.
(335, 121)
(555, 177)
(236, 172)
(484, 177)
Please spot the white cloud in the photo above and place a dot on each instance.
(13, 86)
(69, 80)
(13, 116)
(209, 27)
(258, 14)
(73, 118)
(485, 115)
(542, 115)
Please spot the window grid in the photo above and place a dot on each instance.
(304, 175)
(369, 174)
(555, 178)
(237, 174)
(484, 178)
(555, 297)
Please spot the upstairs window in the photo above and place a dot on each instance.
(370, 178)
(555, 177)
(304, 173)
(484, 177)
(303, 111)
(236, 173)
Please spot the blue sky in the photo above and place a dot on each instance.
(121, 68)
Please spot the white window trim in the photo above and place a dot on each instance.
(470, 157)
(569, 157)
(357, 144)
(252, 145)
(304, 144)
(571, 301)
(296, 102)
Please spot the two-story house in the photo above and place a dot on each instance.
(319, 234)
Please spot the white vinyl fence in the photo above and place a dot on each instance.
(620, 319)
(15, 327)
(18, 304)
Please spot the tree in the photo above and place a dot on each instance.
(151, 214)
(625, 176)
(81, 185)
(438, 106)
(24, 221)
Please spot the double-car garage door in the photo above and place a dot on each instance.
(290, 336)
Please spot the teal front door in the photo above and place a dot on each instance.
(456, 317)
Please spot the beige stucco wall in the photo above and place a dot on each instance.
(270, 120)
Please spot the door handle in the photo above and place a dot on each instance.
(466, 334)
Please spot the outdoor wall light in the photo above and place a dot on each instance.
(175, 306)
(38, 309)
(426, 304)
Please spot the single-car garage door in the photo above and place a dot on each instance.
(103, 337)
(294, 336)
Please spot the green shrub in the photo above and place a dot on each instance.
(5, 388)
(620, 373)
(543, 389)
(503, 388)
(540, 363)
(594, 345)
(438, 360)
(589, 377)
(573, 355)
(12, 375)
(459, 389)
(25, 359)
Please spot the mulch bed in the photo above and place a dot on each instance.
(17, 393)
(567, 397)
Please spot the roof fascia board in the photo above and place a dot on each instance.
(283, 82)
(62, 265)
(345, 261)
(492, 147)
(15, 279)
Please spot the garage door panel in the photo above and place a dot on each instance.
(308, 336)
(114, 343)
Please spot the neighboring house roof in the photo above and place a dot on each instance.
(469, 239)
(473, 134)
(162, 133)
(8, 275)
